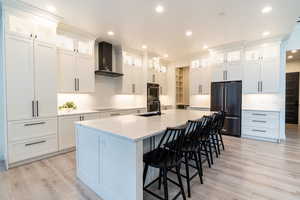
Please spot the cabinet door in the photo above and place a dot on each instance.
(45, 31)
(234, 71)
(218, 71)
(67, 70)
(270, 75)
(138, 82)
(127, 82)
(194, 81)
(85, 73)
(66, 131)
(19, 77)
(251, 77)
(20, 25)
(163, 83)
(91, 116)
(205, 80)
(45, 78)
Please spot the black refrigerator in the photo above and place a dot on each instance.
(227, 97)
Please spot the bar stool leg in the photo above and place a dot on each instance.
(180, 182)
(187, 173)
(210, 152)
(198, 167)
(165, 184)
(215, 146)
(222, 141)
(159, 180)
(145, 173)
(207, 156)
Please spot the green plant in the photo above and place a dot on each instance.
(68, 104)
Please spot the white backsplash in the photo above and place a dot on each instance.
(262, 101)
(200, 101)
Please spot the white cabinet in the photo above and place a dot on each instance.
(200, 79)
(76, 71)
(227, 66)
(261, 124)
(132, 82)
(261, 69)
(30, 79)
(66, 128)
(25, 25)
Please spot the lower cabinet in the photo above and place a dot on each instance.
(31, 138)
(261, 125)
(66, 129)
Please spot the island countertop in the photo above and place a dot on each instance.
(137, 128)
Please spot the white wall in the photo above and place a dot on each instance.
(2, 101)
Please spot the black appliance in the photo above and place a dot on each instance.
(153, 97)
(227, 97)
(105, 60)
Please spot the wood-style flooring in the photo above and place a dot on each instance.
(247, 170)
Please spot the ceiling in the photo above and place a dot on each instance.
(295, 56)
(212, 22)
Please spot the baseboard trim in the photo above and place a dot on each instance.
(31, 160)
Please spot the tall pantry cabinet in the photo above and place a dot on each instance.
(30, 79)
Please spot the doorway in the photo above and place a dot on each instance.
(292, 98)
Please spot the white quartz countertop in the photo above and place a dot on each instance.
(96, 110)
(137, 128)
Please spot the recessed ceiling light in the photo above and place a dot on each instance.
(166, 55)
(51, 8)
(188, 33)
(159, 9)
(290, 57)
(294, 51)
(110, 33)
(144, 47)
(266, 9)
(205, 46)
(266, 33)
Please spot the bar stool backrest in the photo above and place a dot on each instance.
(172, 141)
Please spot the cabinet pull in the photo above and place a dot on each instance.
(33, 124)
(261, 86)
(75, 84)
(32, 108)
(259, 114)
(200, 89)
(78, 84)
(34, 143)
(133, 88)
(260, 121)
(261, 131)
(115, 114)
(35, 36)
(225, 75)
(31, 35)
(37, 108)
(153, 78)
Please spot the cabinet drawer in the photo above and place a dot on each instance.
(32, 148)
(260, 132)
(261, 123)
(31, 129)
(260, 115)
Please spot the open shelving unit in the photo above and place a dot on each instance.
(182, 87)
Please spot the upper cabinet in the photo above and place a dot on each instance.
(132, 80)
(76, 64)
(226, 66)
(200, 77)
(157, 73)
(29, 26)
(31, 67)
(261, 69)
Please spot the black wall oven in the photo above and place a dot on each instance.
(152, 97)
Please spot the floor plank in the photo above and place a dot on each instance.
(247, 170)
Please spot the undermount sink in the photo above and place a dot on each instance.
(149, 114)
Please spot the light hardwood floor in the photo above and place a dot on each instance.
(247, 170)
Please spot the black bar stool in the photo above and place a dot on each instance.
(167, 156)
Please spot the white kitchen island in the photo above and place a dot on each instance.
(110, 151)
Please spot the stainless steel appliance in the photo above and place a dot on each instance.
(153, 97)
(227, 97)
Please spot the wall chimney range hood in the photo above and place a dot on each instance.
(105, 60)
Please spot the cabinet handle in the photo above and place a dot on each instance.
(33, 143)
(259, 114)
(200, 89)
(31, 35)
(33, 124)
(32, 108)
(133, 88)
(261, 131)
(75, 84)
(37, 108)
(259, 121)
(35, 36)
(261, 86)
(115, 114)
(78, 85)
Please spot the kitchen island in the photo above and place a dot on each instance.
(110, 151)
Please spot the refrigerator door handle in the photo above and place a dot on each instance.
(232, 117)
